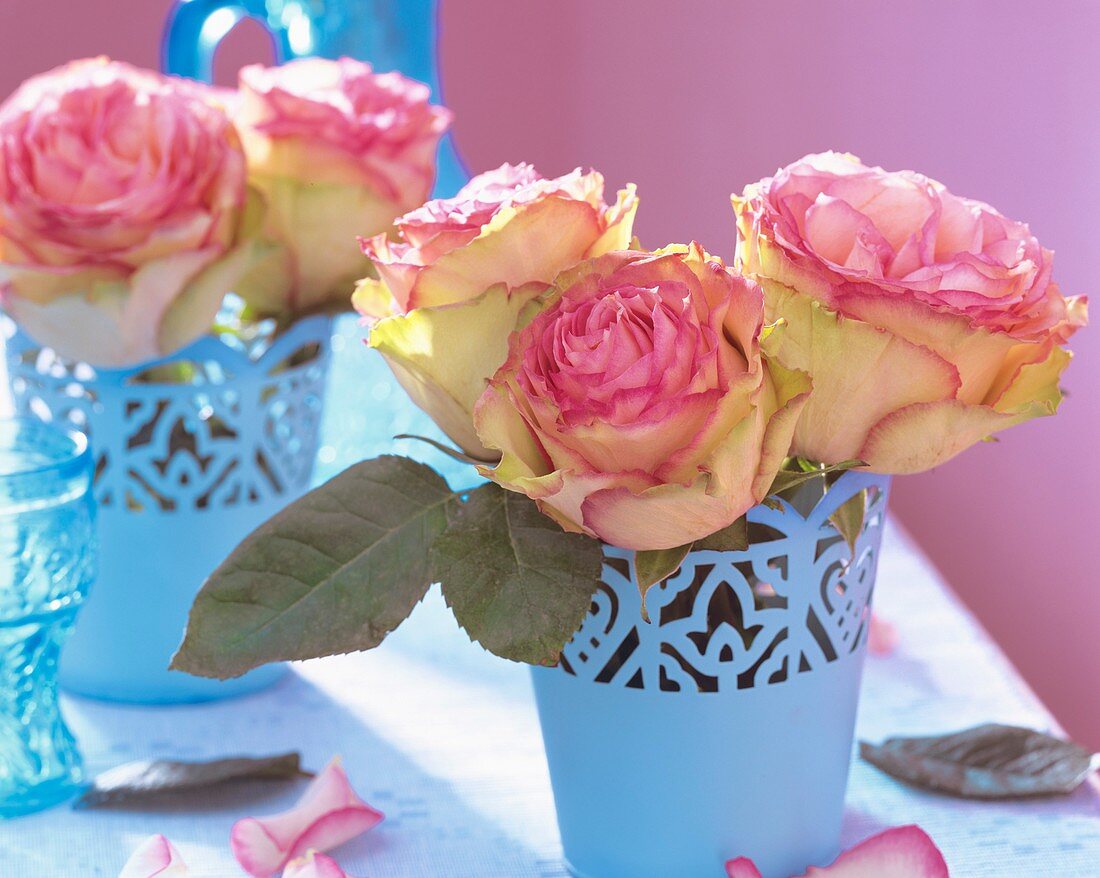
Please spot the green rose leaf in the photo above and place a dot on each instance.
(517, 582)
(656, 565)
(786, 479)
(334, 572)
(848, 519)
(734, 538)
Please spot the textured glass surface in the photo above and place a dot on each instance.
(46, 563)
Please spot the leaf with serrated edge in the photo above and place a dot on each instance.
(334, 572)
(517, 583)
(149, 779)
(990, 761)
(656, 565)
(848, 519)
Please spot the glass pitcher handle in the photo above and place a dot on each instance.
(195, 27)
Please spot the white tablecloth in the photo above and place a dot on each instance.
(444, 739)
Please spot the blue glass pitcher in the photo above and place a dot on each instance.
(390, 34)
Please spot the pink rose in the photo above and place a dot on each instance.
(465, 268)
(510, 226)
(636, 407)
(122, 198)
(928, 321)
(339, 151)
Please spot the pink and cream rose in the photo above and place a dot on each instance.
(928, 321)
(457, 277)
(636, 407)
(122, 211)
(338, 151)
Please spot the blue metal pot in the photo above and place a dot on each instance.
(724, 727)
(192, 453)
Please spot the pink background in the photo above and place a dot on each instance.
(691, 101)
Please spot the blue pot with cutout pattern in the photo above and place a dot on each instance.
(723, 727)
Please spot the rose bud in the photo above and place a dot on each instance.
(338, 151)
(452, 288)
(928, 321)
(636, 407)
(122, 211)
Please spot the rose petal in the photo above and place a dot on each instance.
(923, 435)
(901, 852)
(742, 867)
(442, 365)
(155, 858)
(883, 636)
(521, 245)
(860, 374)
(328, 814)
(314, 865)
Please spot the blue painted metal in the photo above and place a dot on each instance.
(391, 34)
(677, 745)
(184, 471)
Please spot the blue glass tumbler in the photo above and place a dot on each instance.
(47, 560)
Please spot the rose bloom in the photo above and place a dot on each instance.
(338, 151)
(928, 321)
(122, 197)
(636, 407)
(457, 279)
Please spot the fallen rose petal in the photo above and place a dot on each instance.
(314, 865)
(883, 637)
(328, 814)
(155, 858)
(742, 867)
(901, 852)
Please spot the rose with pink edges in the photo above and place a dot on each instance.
(636, 407)
(328, 814)
(508, 226)
(454, 282)
(338, 150)
(901, 852)
(928, 321)
(122, 211)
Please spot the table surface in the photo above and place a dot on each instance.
(444, 739)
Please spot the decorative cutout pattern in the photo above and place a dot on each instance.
(206, 428)
(795, 600)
